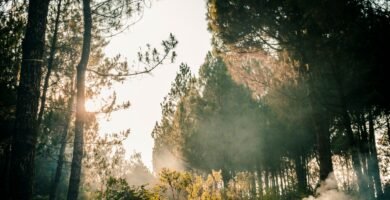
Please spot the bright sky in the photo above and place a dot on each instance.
(186, 19)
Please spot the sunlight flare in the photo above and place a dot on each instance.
(91, 105)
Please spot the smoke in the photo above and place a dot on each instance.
(164, 158)
(328, 191)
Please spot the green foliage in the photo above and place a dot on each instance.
(172, 184)
(213, 123)
(177, 185)
(12, 26)
(327, 42)
(118, 189)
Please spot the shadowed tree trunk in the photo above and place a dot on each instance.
(324, 153)
(301, 173)
(274, 184)
(266, 180)
(352, 142)
(225, 177)
(75, 172)
(321, 126)
(363, 141)
(49, 64)
(373, 159)
(60, 161)
(281, 181)
(253, 185)
(362, 182)
(259, 181)
(25, 131)
(321, 123)
(388, 127)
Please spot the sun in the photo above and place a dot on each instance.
(96, 102)
(91, 105)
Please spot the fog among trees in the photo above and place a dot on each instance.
(292, 102)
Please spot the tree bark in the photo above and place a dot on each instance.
(266, 180)
(253, 185)
(301, 173)
(60, 161)
(353, 143)
(388, 127)
(281, 181)
(363, 142)
(259, 182)
(275, 185)
(373, 160)
(321, 126)
(365, 155)
(49, 64)
(25, 131)
(75, 173)
(225, 177)
(353, 146)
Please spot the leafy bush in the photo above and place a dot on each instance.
(118, 189)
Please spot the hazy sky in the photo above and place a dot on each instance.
(186, 19)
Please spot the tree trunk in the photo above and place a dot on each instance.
(347, 167)
(354, 153)
(225, 177)
(352, 142)
(373, 160)
(363, 143)
(365, 155)
(49, 64)
(281, 181)
(321, 126)
(60, 161)
(25, 131)
(75, 173)
(287, 177)
(266, 180)
(353, 146)
(388, 127)
(260, 182)
(273, 182)
(301, 173)
(253, 185)
(5, 169)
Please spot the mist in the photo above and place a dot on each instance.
(261, 139)
(328, 191)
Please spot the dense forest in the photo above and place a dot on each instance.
(292, 102)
